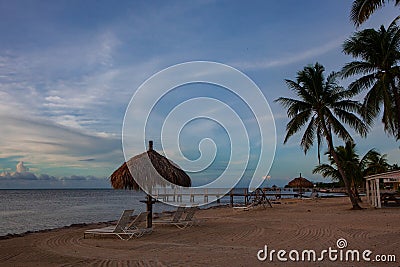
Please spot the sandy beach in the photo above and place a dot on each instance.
(225, 237)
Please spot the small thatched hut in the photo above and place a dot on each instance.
(300, 182)
(146, 171)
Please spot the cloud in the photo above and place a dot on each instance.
(87, 159)
(18, 176)
(62, 107)
(21, 173)
(292, 58)
(20, 167)
(28, 180)
(41, 141)
(46, 177)
(78, 178)
(21, 178)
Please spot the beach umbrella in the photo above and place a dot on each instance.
(300, 182)
(148, 168)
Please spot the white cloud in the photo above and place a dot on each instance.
(56, 99)
(30, 180)
(17, 176)
(20, 167)
(77, 124)
(21, 173)
(42, 141)
(292, 58)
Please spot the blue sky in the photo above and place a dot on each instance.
(68, 70)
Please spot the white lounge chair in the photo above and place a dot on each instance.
(255, 203)
(189, 219)
(174, 219)
(125, 229)
(177, 219)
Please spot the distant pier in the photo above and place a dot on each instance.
(207, 195)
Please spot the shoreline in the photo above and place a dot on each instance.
(74, 225)
(93, 224)
(224, 237)
(29, 217)
(107, 223)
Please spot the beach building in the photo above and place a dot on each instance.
(375, 196)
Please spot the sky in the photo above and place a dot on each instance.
(69, 69)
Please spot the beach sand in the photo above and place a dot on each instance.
(225, 237)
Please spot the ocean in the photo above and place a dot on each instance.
(40, 209)
(33, 210)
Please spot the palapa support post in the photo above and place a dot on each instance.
(149, 204)
(231, 195)
(149, 199)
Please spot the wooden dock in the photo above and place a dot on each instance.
(209, 195)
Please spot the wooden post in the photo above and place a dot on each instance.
(374, 203)
(378, 193)
(149, 204)
(231, 195)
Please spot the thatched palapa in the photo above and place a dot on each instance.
(147, 169)
(300, 182)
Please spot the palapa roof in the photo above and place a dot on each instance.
(300, 182)
(147, 169)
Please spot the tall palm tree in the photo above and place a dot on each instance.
(362, 9)
(377, 54)
(324, 106)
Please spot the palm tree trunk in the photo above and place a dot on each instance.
(357, 194)
(397, 104)
(347, 185)
(353, 198)
(355, 190)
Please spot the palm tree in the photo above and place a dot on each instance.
(377, 54)
(375, 163)
(354, 167)
(351, 164)
(362, 9)
(394, 167)
(324, 106)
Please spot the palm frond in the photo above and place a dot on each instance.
(327, 171)
(338, 127)
(362, 83)
(357, 67)
(293, 106)
(353, 121)
(361, 10)
(308, 137)
(379, 51)
(296, 123)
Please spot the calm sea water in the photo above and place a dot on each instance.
(31, 210)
